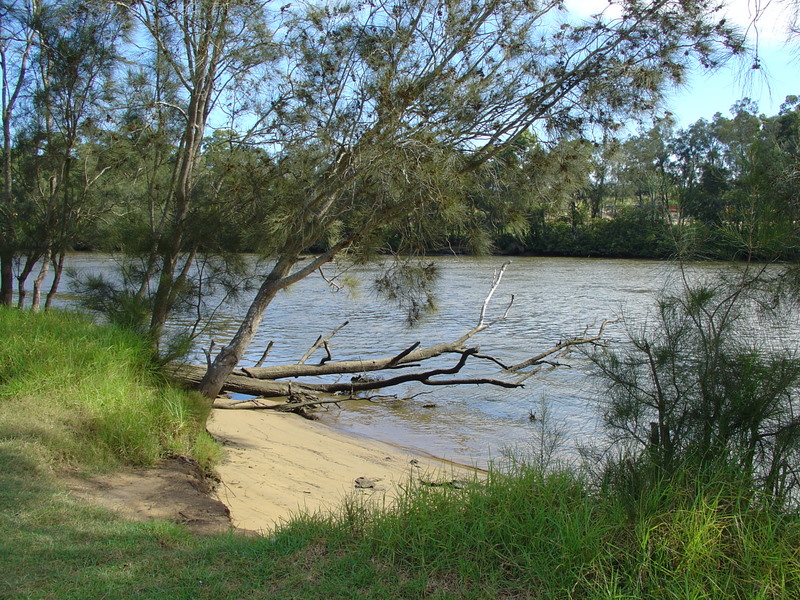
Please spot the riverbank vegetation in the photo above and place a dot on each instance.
(183, 134)
(531, 529)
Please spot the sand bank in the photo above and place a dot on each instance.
(278, 464)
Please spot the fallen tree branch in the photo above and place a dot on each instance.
(322, 341)
(424, 378)
(540, 358)
(266, 382)
(394, 361)
(498, 275)
(243, 384)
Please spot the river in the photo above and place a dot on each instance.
(554, 298)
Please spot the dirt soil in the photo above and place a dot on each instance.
(176, 490)
(277, 465)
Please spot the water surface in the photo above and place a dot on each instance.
(554, 299)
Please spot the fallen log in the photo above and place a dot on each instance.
(269, 382)
(192, 375)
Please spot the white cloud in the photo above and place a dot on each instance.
(766, 19)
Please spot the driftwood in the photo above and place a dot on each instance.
(242, 384)
(268, 382)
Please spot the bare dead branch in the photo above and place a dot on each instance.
(496, 361)
(321, 341)
(327, 351)
(257, 387)
(540, 358)
(330, 282)
(264, 356)
(498, 275)
(423, 377)
(310, 351)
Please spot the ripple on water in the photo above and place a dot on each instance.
(554, 298)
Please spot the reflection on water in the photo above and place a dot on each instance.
(555, 298)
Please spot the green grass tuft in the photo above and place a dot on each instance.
(87, 395)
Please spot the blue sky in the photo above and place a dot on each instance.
(708, 93)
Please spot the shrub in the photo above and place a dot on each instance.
(702, 387)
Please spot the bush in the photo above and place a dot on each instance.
(701, 388)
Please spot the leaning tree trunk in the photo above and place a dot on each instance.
(37, 283)
(57, 272)
(279, 278)
(230, 355)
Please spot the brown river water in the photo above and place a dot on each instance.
(554, 299)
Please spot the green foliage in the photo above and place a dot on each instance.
(409, 285)
(87, 395)
(692, 539)
(700, 387)
(635, 232)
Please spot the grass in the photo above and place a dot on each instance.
(73, 395)
(86, 396)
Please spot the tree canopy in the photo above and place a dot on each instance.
(188, 130)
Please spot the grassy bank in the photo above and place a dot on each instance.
(76, 396)
(84, 395)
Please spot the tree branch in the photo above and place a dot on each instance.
(539, 358)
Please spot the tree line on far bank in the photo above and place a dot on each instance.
(696, 192)
(723, 189)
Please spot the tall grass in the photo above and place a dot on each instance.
(85, 394)
(552, 535)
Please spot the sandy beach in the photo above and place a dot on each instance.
(278, 464)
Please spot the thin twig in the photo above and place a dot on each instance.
(320, 341)
(208, 353)
(264, 356)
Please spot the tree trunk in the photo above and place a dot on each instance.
(59, 269)
(6, 277)
(37, 283)
(230, 355)
(27, 269)
(192, 143)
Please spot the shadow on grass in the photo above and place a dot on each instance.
(53, 546)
